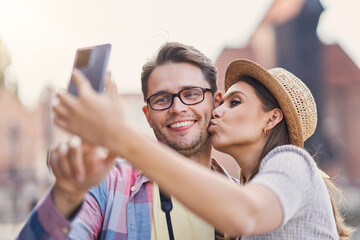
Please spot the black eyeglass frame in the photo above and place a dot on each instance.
(173, 95)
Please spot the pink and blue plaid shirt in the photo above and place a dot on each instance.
(123, 191)
(102, 213)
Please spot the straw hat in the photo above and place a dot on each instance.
(295, 99)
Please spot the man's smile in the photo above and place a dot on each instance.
(182, 125)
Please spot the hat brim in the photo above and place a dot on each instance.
(244, 67)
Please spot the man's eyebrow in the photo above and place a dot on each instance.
(191, 86)
(182, 88)
(160, 92)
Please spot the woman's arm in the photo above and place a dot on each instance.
(231, 208)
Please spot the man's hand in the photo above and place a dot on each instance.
(77, 167)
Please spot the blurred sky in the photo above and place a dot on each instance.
(42, 36)
(339, 24)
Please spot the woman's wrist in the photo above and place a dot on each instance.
(121, 139)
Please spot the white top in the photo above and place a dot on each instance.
(291, 173)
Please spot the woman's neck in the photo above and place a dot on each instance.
(247, 156)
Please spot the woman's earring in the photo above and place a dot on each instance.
(265, 129)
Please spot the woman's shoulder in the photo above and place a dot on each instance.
(291, 156)
(289, 148)
(286, 151)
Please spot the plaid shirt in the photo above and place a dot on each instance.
(102, 216)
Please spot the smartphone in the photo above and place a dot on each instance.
(92, 62)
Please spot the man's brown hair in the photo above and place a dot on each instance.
(173, 52)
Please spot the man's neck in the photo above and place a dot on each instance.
(204, 157)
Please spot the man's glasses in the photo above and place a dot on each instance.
(188, 96)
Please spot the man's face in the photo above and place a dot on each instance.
(182, 127)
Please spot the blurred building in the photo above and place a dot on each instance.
(287, 38)
(23, 174)
(21, 151)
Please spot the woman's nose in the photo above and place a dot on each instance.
(217, 112)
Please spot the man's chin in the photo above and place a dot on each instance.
(181, 148)
(191, 149)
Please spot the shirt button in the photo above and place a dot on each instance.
(65, 230)
(133, 188)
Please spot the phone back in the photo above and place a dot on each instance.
(92, 62)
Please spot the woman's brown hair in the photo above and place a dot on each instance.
(279, 136)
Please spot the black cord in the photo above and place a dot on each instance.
(166, 207)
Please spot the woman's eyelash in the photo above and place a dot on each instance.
(235, 102)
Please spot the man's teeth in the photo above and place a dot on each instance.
(181, 124)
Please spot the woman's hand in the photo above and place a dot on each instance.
(91, 116)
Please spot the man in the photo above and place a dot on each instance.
(179, 87)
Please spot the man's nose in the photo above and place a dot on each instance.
(178, 105)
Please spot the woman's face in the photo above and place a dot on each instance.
(239, 121)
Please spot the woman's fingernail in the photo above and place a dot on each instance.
(63, 149)
(75, 141)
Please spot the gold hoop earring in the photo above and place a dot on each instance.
(265, 130)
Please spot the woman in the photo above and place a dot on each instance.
(262, 122)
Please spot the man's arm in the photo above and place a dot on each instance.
(76, 167)
(45, 222)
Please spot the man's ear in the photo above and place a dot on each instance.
(147, 115)
(275, 116)
(217, 98)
